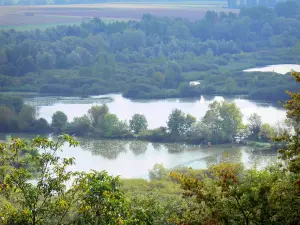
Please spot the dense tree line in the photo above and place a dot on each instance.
(156, 57)
(15, 116)
(225, 193)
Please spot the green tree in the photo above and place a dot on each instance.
(223, 121)
(59, 121)
(122, 130)
(26, 117)
(110, 124)
(96, 114)
(255, 126)
(129, 38)
(46, 60)
(180, 124)
(267, 30)
(85, 56)
(102, 201)
(25, 65)
(290, 153)
(80, 125)
(40, 126)
(230, 86)
(189, 122)
(158, 172)
(187, 90)
(28, 203)
(15, 103)
(211, 16)
(107, 72)
(159, 78)
(229, 194)
(138, 123)
(176, 122)
(6, 115)
(58, 195)
(267, 132)
(74, 59)
(179, 30)
(173, 75)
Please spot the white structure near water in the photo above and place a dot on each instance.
(195, 83)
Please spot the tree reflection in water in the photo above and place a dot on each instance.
(157, 146)
(259, 159)
(180, 147)
(138, 147)
(109, 149)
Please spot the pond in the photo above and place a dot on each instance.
(156, 111)
(133, 159)
(281, 68)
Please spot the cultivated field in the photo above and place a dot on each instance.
(32, 16)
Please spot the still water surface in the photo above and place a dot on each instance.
(281, 68)
(156, 111)
(133, 159)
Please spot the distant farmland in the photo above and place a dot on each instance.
(18, 16)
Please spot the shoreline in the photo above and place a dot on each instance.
(106, 96)
(257, 145)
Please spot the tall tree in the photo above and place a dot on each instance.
(96, 114)
(6, 115)
(223, 120)
(230, 86)
(59, 121)
(26, 117)
(138, 123)
(290, 153)
(255, 125)
(59, 196)
(179, 124)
